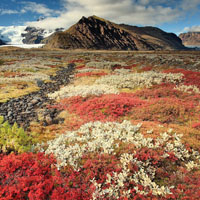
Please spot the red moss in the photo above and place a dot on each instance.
(165, 110)
(91, 74)
(190, 77)
(106, 107)
(147, 68)
(76, 61)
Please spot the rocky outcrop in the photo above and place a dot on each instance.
(2, 43)
(190, 38)
(32, 35)
(97, 33)
(23, 109)
(36, 35)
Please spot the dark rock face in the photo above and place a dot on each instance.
(36, 35)
(190, 38)
(33, 35)
(2, 43)
(159, 38)
(96, 33)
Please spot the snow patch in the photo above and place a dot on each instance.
(26, 46)
(12, 34)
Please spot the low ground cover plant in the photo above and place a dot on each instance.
(14, 138)
(91, 74)
(190, 77)
(142, 143)
(105, 107)
(167, 110)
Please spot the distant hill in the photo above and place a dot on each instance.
(190, 38)
(97, 33)
(1, 42)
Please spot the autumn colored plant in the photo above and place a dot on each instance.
(123, 67)
(147, 68)
(80, 67)
(106, 107)
(76, 61)
(167, 91)
(196, 125)
(166, 110)
(29, 176)
(190, 77)
(12, 74)
(131, 134)
(91, 74)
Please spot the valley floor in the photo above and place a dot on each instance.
(99, 124)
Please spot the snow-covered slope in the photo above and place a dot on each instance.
(12, 34)
(17, 35)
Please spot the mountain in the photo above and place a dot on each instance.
(190, 38)
(1, 42)
(16, 35)
(97, 33)
(163, 38)
(34, 35)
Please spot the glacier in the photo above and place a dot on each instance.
(12, 36)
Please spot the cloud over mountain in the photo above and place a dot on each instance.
(192, 29)
(139, 12)
(36, 8)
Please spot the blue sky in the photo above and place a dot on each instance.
(170, 15)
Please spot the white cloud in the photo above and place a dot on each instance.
(192, 29)
(136, 12)
(36, 8)
(8, 12)
(192, 4)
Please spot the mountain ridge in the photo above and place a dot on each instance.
(98, 33)
(190, 38)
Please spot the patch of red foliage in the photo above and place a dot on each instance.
(90, 74)
(106, 107)
(12, 74)
(76, 61)
(147, 68)
(28, 176)
(196, 125)
(124, 67)
(10, 63)
(166, 110)
(80, 67)
(34, 176)
(190, 77)
(188, 184)
(167, 91)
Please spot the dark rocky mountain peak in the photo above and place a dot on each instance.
(97, 33)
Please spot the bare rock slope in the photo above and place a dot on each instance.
(190, 38)
(97, 33)
(1, 42)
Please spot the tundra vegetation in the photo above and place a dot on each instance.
(126, 126)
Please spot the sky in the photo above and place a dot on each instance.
(170, 15)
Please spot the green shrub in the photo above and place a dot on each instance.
(1, 62)
(14, 138)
